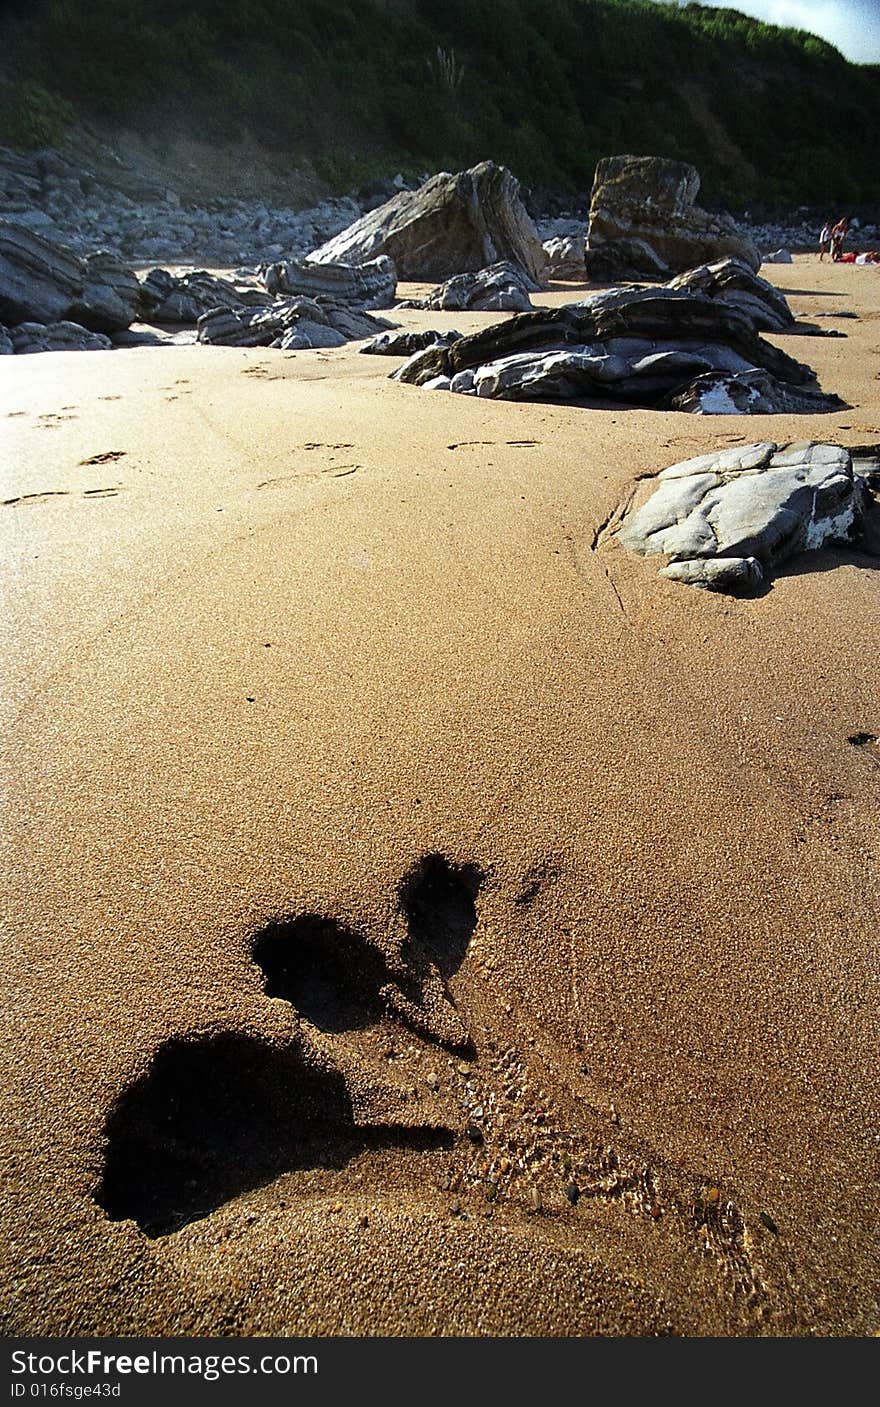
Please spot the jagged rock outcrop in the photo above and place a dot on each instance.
(565, 255)
(370, 285)
(649, 201)
(174, 299)
(45, 282)
(111, 293)
(501, 288)
(404, 344)
(452, 224)
(6, 347)
(56, 337)
(288, 323)
(732, 281)
(39, 280)
(645, 346)
(729, 518)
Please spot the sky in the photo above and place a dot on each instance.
(852, 26)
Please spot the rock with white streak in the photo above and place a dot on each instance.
(727, 519)
(667, 348)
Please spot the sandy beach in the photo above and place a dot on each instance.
(297, 653)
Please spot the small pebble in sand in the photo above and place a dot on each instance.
(573, 1192)
(534, 1199)
(767, 1220)
(455, 1208)
(474, 1134)
(463, 1069)
(432, 1080)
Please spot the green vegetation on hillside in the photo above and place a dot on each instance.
(368, 87)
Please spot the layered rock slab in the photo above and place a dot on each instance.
(45, 282)
(642, 346)
(452, 224)
(291, 324)
(729, 518)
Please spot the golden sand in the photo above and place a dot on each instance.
(275, 629)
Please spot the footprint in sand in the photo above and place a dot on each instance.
(107, 457)
(216, 1115)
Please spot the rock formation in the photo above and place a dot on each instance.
(643, 202)
(370, 285)
(453, 224)
(404, 344)
(183, 299)
(727, 519)
(733, 282)
(55, 337)
(565, 255)
(288, 323)
(500, 288)
(41, 281)
(647, 347)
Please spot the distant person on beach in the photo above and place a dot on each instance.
(838, 235)
(824, 240)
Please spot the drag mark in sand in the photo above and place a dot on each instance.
(110, 492)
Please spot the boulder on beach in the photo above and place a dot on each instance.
(565, 255)
(61, 336)
(400, 343)
(372, 284)
(654, 347)
(452, 224)
(649, 201)
(42, 281)
(727, 519)
(500, 288)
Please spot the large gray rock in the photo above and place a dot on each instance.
(453, 224)
(500, 288)
(370, 285)
(45, 282)
(658, 347)
(39, 279)
(728, 518)
(110, 298)
(649, 200)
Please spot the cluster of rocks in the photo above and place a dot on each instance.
(71, 205)
(292, 324)
(677, 347)
(728, 519)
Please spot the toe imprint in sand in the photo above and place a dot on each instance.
(332, 975)
(438, 900)
(215, 1116)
